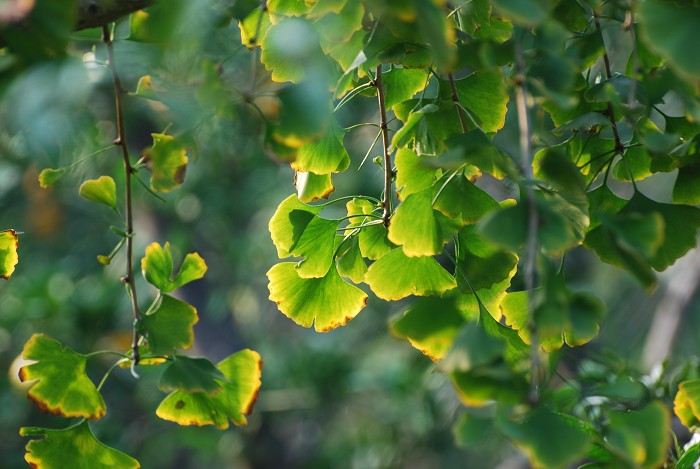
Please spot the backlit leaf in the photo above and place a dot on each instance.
(167, 161)
(74, 447)
(102, 190)
(49, 176)
(289, 222)
(463, 201)
(686, 404)
(157, 268)
(170, 326)
(397, 276)
(191, 374)
(8, 253)
(311, 187)
(234, 401)
(328, 155)
(61, 385)
(485, 95)
(484, 263)
(327, 302)
(350, 261)
(401, 84)
(430, 325)
(649, 426)
(412, 175)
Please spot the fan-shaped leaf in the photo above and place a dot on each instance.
(8, 253)
(75, 447)
(312, 186)
(102, 190)
(49, 175)
(328, 155)
(327, 302)
(157, 268)
(61, 385)
(191, 374)
(170, 326)
(167, 161)
(462, 201)
(397, 276)
(234, 401)
(686, 404)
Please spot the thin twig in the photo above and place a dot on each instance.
(254, 41)
(129, 279)
(388, 173)
(619, 147)
(455, 98)
(532, 215)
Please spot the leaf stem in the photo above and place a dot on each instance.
(455, 98)
(109, 372)
(388, 173)
(105, 352)
(129, 278)
(532, 215)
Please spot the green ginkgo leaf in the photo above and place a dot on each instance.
(191, 374)
(170, 326)
(327, 302)
(157, 268)
(418, 228)
(289, 222)
(485, 95)
(327, 155)
(430, 325)
(102, 190)
(462, 201)
(485, 385)
(8, 253)
(311, 187)
(49, 176)
(549, 440)
(350, 261)
(397, 276)
(401, 84)
(167, 161)
(412, 174)
(75, 447)
(373, 239)
(61, 385)
(526, 12)
(483, 262)
(234, 401)
(686, 404)
(648, 427)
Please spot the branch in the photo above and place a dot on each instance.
(455, 98)
(129, 279)
(94, 13)
(388, 173)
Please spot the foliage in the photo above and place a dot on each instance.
(600, 96)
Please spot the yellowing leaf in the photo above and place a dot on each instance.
(61, 385)
(234, 401)
(463, 201)
(8, 253)
(191, 374)
(312, 186)
(49, 175)
(167, 161)
(686, 404)
(157, 268)
(75, 447)
(328, 155)
(170, 326)
(397, 276)
(102, 190)
(485, 95)
(327, 302)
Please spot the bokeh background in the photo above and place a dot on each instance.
(354, 397)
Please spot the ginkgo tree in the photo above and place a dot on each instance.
(564, 105)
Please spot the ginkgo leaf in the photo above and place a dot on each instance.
(397, 276)
(485, 94)
(60, 384)
(102, 190)
(296, 230)
(144, 88)
(350, 262)
(648, 426)
(75, 447)
(191, 374)
(430, 325)
(418, 228)
(401, 84)
(157, 268)
(686, 404)
(234, 401)
(484, 263)
(49, 176)
(373, 239)
(412, 175)
(327, 302)
(8, 253)
(485, 385)
(463, 201)
(327, 155)
(170, 326)
(167, 161)
(312, 186)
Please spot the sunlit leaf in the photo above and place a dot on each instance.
(430, 325)
(350, 262)
(484, 263)
(549, 440)
(234, 401)
(686, 190)
(49, 176)
(397, 276)
(167, 161)
(74, 447)
(311, 187)
(170, 326)
(102, 190)
(373, 240)
(289, 222)
(462, 201)
(412, 175)
(144, 88)
(328, 155)
(191, 374)
(60, 384)
(648, 425)
(253, 27)
(485, 95)
(157, 268)
(485, 385)
(401, 84)
(8, 253)
(327, 302)
(686, 404)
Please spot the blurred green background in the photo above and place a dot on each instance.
(354, 397)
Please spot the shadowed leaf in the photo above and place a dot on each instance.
(170, 326)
